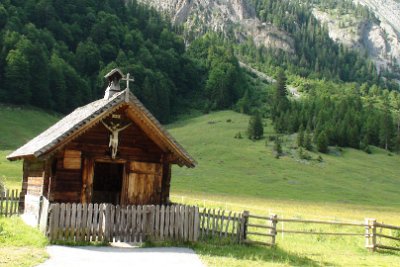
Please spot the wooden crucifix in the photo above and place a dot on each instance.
(114, 128)
(128, 79)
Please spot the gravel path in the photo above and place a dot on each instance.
(61, 256)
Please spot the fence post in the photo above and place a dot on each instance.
(274, 222)
(43, 215)
(243, 226)
(370, 234)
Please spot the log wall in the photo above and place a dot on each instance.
(32, 181)
(147, 175)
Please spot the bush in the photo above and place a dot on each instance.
(307, 141)
(278, 147)
(2, 186)
(304, 155)
(238, 135)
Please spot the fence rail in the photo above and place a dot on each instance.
(370, 234)
(9, 202)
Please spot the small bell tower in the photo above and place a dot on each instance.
(113, 87)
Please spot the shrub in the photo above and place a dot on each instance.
(278, 147)
(303, 154)
(238, 135)
(2, 186)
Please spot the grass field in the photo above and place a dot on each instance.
(241, 167)
(239, 174)
(17, 126)
(20, 245)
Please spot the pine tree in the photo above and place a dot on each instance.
(278, 147)
(300, 137)
(307, 140)
(17, 78)
(281, 103)
(386, 128)
(322, 142)
(255, 130)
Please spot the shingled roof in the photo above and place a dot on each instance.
(81, 118)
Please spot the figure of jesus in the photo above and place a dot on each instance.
(114, 128)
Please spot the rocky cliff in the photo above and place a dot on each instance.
(379, 39)
(231, 17)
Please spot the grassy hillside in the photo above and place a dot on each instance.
(17, 126)
(239, 174)
(241, 167)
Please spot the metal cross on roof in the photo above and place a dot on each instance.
(128, 79)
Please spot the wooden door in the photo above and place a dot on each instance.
(143, 184)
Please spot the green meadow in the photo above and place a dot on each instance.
(243, 168)
(239, 174)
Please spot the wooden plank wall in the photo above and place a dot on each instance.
(109, 223)
(32, 181)
(144, 166)
(134, 144)
(66, 183)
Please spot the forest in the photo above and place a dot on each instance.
(316, 54)
(343, 115)
(54, 56)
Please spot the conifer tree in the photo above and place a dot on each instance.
(278, 147)
(322, 142)
(307, 140)
(255, 129)
(300, 137)
(17, 78)
(386, 128)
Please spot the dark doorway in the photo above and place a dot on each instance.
(107, 182)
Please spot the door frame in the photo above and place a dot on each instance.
(88, 176)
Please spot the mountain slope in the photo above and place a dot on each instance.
(55, 55)
(241, 167)
(375, 35)
(235, 18)
(240, 20)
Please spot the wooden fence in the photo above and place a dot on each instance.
(9, 202)
(268, 227)
(109, 223)
(376, 239)
(221, 224)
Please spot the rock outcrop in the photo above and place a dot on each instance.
(379, 40)
(231, 17)
(238, 19)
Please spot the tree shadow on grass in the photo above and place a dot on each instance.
(254, 253)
